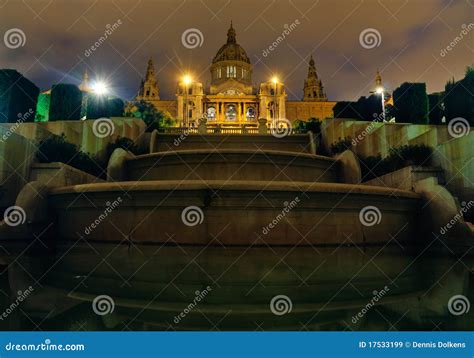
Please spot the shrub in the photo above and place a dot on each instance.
(65, 103)
(341, 145)
(58, 149)
(419, 154)
(371, 167)
(374, 166)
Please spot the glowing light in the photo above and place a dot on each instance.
(100, 88)
(187, 79)
(379, 90)
(275, 79)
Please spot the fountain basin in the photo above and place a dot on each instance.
(231, 164)
(234, 213)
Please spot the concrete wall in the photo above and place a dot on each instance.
(81, 132)
(16, 155)
(454, 155)
(18, 147)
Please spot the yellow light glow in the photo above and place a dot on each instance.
(379, 90)
(187, 79)
(275, 79)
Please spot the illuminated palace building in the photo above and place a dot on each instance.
(232, 99)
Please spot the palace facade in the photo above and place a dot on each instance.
(231, 98)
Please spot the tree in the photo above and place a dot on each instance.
(346, 109)
(458, 98)
(42, 108)
(365, 109)
(411, 103)
(18, 97)
(66, 102)
(436, 112)
(153, 118)
(115, 107)
(96, 106)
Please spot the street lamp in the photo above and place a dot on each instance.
(380, 90)
(187, 79)
(100, 88)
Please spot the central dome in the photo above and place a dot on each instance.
(231, 70)
(231, 51)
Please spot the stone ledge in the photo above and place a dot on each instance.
(60, 174)
(406, 177)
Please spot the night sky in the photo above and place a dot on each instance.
(413, 33)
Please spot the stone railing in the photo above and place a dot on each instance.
(206, 128)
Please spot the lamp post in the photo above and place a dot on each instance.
(186, 80)
(380, 90)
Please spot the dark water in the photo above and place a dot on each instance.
(122, 286)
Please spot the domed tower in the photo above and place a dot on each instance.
(231, 70)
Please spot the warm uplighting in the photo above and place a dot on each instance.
(187, 80)
(275, 79)
(379, 90)
(100, 88)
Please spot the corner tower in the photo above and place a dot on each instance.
(231, 70)
(313, 87)
(149, 87)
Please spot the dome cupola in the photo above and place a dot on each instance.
(231, 70)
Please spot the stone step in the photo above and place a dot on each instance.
(232, 164)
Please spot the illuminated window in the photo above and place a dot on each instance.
(231, 72)
(230, 113)
(219, 72)
(211, 113)
(251, 114)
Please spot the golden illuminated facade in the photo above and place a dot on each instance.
(231, 98)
